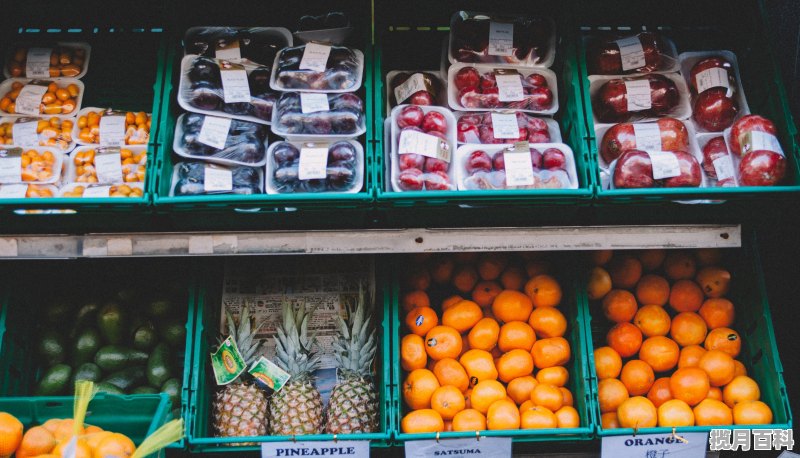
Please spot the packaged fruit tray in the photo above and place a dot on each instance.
(454, 314)
(32, 165)
(61, 97)
(63, 59)
(48, 132)
(683, 337)
(135, 130)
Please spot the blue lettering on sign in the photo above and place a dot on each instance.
(649, 441)
(457, 452)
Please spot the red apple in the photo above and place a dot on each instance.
(421, 98)
(488, 81)
(410, 180)
(468, 133)
(714, 111)
(411, 161)
(531, 122)
(535, 80)
(553, 158)
(478, 160)
(707, 63)
(541, 98)
(473, 119)
(536, 158)
(747, 124)
(538, 136)
(690, 176)
(434, 122)
(713, 150)
(633, 170)
(467, 77)
(410, 116)
(498, 161)
(435, 165)
(611, 101)
(604, 56)
(762, 168)
(469, 97)
(621, 137)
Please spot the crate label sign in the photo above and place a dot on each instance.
(411, 86)
(681, 445)
(755, 140)
(354, 449)
(97, 191)
(227, 361)
(519, 168)
(10, 169)
(485, 447)
(638, 95)
(217, 179)
(24, 133)
(108, 167)
(214, 131)
(631, 52)
(509, 87)
(228, 51)
(501, 38)
(313, 102)
(665, 164)
(13, 191)
(37, 63)
(648, 136)
(235, 87)
(315, 57)
(112, 130)
(713, 77)
(413, 142)
(723, 166)
(313, 163)
(505, 125)
(29, 99)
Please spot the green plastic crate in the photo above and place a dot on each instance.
(753, 323)
(700, 26)
(199, 429)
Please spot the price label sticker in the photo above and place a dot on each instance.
(29, 100)
(505, 125)
(501, 38)
(756, 140)
(648, 136)
(13, 191)
(97, 191)
(486, 447)
(313, 102)
(519, 168)
(509, 86)
(411, 86)
(10, 169)
(682, 445)
(24, 133)
(413, 142)
(214, 131)
(631, 52)
(235, 87)
(313, 163)
(217, 179)
(112, 130)
(108, 167)
(723, 166)
(713, 77)
(638, 95)
(665, 164)
(37, 63)
(228, 51)
(315, 57)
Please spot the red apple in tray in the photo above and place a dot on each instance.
(604, 58)
(622, 137)
(610, 103)
(634, 169)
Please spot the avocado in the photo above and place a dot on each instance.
(87, 371)
(144, 389)
(51, 348)
(145, 337)
(174, 334)
(104, 387)
(126, 378)
(158, 367)
(58, 312)
(112, 358)
(85, 346)
(111, 323)
(86, 316)
(55, 381)
(160, 308)
(173, 389)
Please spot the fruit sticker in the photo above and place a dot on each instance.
(648, 136)
(269, 374)
(723, 166)
(315, 57)
(214, 131)
(505, 125)
(227, 362)
(313, 163)
(501, 38)
(313, 102)
(638, 95)
(509, 86)
(37, 63)
(631, 52)
(235, 86)
(713, 77)
(24, 133)
(756, 140)
(30, 98)
(665, 164)
(519, 166)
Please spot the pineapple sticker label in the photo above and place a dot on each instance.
(227, 362)
(269, 374)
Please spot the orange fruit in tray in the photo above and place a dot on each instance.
(717, 313)
(515, 363)
(724, 339)
(82, 449)
(679, 265)
(739, 368)
(567, 394)
(520, 388)
(568, 417)
(619, 306)
(464, 278)
(485, 393)
(526, 405)
(652, 290)
(462, 316)
(548, 322)
(451, 301)
(625, 339)
(479, 365)
(607, 363)
(10, 433)
(719, 366)
(485, 292)
(422, 421)
(418, 280)
(686, 296)
(652, 320)
(544, 291)
(609, 420)
(441, 269)
(484, 335)
(712, 413)
(708, 256)
(610, 394)
(637, 412)
(675, 413)
(420, 320)
(450, 372)
(556, 376)
(115, 444)
(491, 265)
(688, 328)
(512, 305)
(625, 271)
(659, 393)
(538, 417)
(742, 388)
(516, 335)
(513, 278)
(689, 384)
(418, 387)
(714, 393)
(601, 257)
(637, 376)
(714, 281)
(553, 351)
(412, 352)
(651, 259)
(448, 401)
(537, 267)
(443, 342)
(469, 420)
(36, 441)
(752, 413)
(690, 356)
(660, 352)
(599, 283)
(502, 414)
(414, 299)
(548, 396)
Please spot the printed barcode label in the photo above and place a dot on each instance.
(665, 164)
(638, 95)
(519, 168)
(29, 99)
(501, 38)
(313, 102)
(712, 77)
(10, 169)
(313, 163)
(412, 142)
(112, 130)
(648, 136)
(217, 179)
(509, 88)
(631, 53)
(315, 57)
(108, 167)
(214, 131)
(235, 87)
(24, 133)
(37, 63)
(505, 125)
(723, 166)
(411, 86)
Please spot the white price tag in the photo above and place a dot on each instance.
(648, 136)
(10, 169)
(411, 86)
(354, 449)
(693, 445)
(413, 142)
(315, 57)
(24, 133)
(756, 140)
(37, 63)
(631, 52)
(313, 162)
(29, 99)
(486, 447)
(501, 38)
(235, 87)
(505, 125)
(712, 77)
(638, 95)
(313, 102)
(13, 191)
(97, 191)
(510, 88)
(112, 130)
(665, 164)
(723, 166)
(214, 131)
(217, 179)
(108, 167)
(519, 168)
(229, 51)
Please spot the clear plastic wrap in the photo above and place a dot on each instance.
(135, 130)
(51, 132)
(203, 89)
(642, 98)
(665, 134)
(478, 128)
(293, 118)
(618, 54)
(318, 68)
(342, 165)
(433, 130)
(654, 169)
(196, 178)
(27, 191)
(25, 97)
(418, 87)
(716, 86)
(256, 45)
(64, 59)
(30, 165)
(496, 38)
(490, 87)
(242, 143)
(102, 190)
(107, 164)
(754, 143)
(719, 164)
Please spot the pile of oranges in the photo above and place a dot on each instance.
(133, 165)
(37, 165)
(52, 132)
(59, 99)
(669, 358)
(137, 126)
(491, 353)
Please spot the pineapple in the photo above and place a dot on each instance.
(353, 406)
(240, 408)
(297, 408)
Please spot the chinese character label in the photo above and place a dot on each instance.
(638, 95)
(631, 53)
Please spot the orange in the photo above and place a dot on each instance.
(550, 352)
(739, 368)
(679, 265)
(651, 259)
(485, 393)
(464, 278)
(484, 335)
(441, 268)
(714, 281)
(724, 339)
(448, 401)
(93, 439)
(538, 417)
(412, 352)
(491, 265)
(465, 257)
(712, 413)
(450, 372)
(714, 393)
(742, 388)
(619, 306)
(717, 313)
(637, 412)
(520, 388)
(652, 320)
(601, 257)
(537, 267)
(544, 291)
(516, 335)
(418, 388)
(526, 405)
(422, 421)
(637, 376)
(625, 339)
(65, 430)
(752, 413)
(686, 296)
(513, 278)
(610, 394)
(609, 420)
(515, 363)
(556, 376)
(419, 279)
(51, 424)
(708, 256)
(659, 393)
(420, 320)
(719, 367)
(690, 356)
(607, 363)
(443, 342)
(689, 384)
(652, 290)
(548, 396)
(479, 365)
(414, 299)
(462, 316)
(599, 283)
(116, 445)
(512, 305)
(625, 271)
(674, 413)
(502, 414)
(451, 301)
(567, 394)
(82, 449)
(568, 417)
(660, 352)
(548, 322)
(10, 433)
(688, 328)
(469, 420)
(485, 292)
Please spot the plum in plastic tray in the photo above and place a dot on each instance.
(245, 143)
(477, 90)
(478, 128)
(342, 71)
(255, 45)
(199, 178)
(343, 119)
(344, 168)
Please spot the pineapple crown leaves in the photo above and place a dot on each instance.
(293, 349)
(355, 348)
(244, 335)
